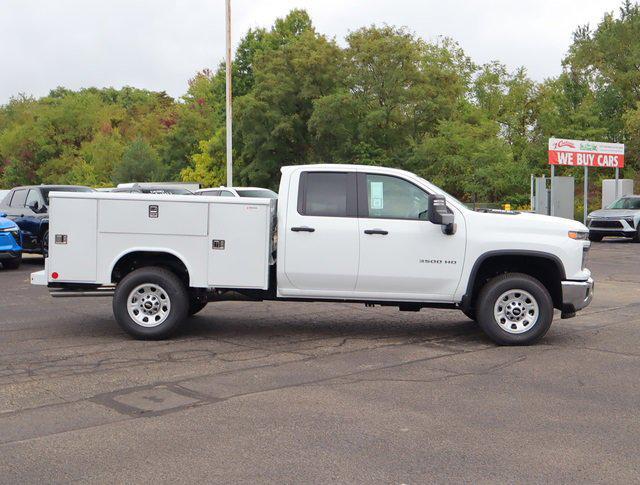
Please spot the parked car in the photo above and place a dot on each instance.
(190, 186)
(10, 240)
(373, 235)
(238, 192)
(28, 207)
(622, 218)
(145, 189)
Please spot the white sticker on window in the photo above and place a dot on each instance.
(377, 197)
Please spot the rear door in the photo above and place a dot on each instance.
(321, 230)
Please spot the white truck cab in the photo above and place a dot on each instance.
(352, 233)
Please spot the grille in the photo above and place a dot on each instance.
(607, 224)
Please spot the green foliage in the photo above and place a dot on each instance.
(140, 163)
(386, 97)
(209, 163)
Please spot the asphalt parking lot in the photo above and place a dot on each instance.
(288, 392)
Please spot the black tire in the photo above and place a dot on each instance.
(636, 238)
(169, 285)
(197, 301)
(487, 303)
(44, 244)
(12, 263)
(595, 237)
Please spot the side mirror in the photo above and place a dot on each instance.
(439, 213)
(3, 214)
(34, 206)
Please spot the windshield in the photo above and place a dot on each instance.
(264, 193)
(626, 203)
(45, 191)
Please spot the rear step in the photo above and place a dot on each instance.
(74, 292)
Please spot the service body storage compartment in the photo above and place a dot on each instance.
(240, 249)
(223, 242)
(72, 237)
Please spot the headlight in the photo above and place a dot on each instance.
(629, 220)
(9, 229)
(579, 235)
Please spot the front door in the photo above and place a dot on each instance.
(402, 255)
(321, 231)
(26, 219)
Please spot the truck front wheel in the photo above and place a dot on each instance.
(514, 309)
(150, 303)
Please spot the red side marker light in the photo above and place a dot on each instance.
(55, 275)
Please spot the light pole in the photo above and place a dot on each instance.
(228, 96)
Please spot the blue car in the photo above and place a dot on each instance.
(10, 243)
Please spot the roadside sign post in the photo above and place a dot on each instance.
(552, 211)
(585, 208)
(583, 153)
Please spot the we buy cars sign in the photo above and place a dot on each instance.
(581, 153)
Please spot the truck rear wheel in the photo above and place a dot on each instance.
(514, 309)
(150, 303)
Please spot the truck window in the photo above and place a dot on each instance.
(226, 193)
(19, 197)
(326, 194)
(394, 198)
(33, 196)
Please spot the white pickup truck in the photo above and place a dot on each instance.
(363, 234)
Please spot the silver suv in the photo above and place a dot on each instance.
(622, 218)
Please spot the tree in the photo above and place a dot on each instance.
(208, 165)
(271, 123)
(140, 163)
(607, 61)
(396, 89)
(467, 158)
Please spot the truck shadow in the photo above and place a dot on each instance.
(287, 330)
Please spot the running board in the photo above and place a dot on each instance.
(68, 293)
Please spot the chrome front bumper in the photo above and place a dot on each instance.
(576, 295)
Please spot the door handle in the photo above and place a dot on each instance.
(303, 229)
(382, 232)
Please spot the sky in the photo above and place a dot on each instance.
(160, 44)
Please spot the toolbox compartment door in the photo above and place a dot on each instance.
(153, 216)
(73, 239)
(239, 245)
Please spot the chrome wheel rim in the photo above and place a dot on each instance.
(149, 305)
(516, 311)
